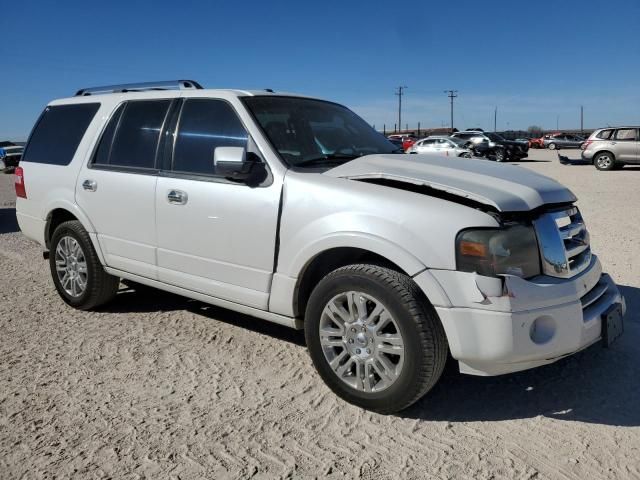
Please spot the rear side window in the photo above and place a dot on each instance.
(626, 134)
(58, 133)
(104, 147)
(205, 125)
(604, 134)
(137, 130)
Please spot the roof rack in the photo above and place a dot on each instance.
(141, 87)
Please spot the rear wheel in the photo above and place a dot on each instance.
(500, 155)
(76, 269)
(604, 161)
(374, 338)
(552, 146)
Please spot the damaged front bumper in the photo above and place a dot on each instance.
(502, 325)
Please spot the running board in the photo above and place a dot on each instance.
(236, 307)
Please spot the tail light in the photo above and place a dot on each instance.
(586, 144)
(21, 191)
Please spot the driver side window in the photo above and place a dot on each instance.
(203, 126)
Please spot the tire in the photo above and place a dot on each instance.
(370, 378)
(465, 155)
(604, 161)
(73, 262)
(500, 155)
(552, 146)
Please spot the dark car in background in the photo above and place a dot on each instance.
(493, 146)
(557, 141)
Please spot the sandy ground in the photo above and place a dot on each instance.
(156, 386)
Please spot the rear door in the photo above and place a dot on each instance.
(214, 236)
(625, 144)
(117, 188)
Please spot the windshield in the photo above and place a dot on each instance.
(315, 133)
(495, 137)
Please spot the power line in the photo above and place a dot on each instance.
(451, 94)
(399, 93)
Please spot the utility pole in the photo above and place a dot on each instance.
(581, 119)
(451, 94)
(399, 93)
(557, 122)
(495, 120)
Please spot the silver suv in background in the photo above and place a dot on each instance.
(611, 148)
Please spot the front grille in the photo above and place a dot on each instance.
(564, 242)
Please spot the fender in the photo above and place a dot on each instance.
(365, 241)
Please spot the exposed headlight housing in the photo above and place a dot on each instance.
(512, 250)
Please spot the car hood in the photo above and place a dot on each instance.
(507, 188)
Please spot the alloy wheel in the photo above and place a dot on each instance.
(603, 162)
(71, 266)
(361, 341)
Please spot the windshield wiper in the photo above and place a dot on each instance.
(331, 159)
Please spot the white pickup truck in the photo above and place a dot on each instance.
(295, 211)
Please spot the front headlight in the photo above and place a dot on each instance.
(511, 250)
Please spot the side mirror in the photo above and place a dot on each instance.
(234, 163)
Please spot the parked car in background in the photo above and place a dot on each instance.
(493, 146)
(449, 146)
(557, 141)
(536, 142)
(10, 155)
(612, 148)
(407, 140)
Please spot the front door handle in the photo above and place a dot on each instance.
(90, 185)
(177, 197)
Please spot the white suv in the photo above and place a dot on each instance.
(295, 211)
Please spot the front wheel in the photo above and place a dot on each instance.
(552, 146)
(500, 155)
(76, 269)
(374, 338)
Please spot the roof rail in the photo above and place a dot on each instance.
(141, 87)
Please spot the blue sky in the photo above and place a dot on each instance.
(536, 61)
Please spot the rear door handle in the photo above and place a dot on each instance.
(177, 197)
(90, 185)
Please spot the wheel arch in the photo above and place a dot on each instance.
(63, 212)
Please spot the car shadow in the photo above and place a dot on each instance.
(529, 160)
(8, 220)
(596, 385)
(136, 298)
(564, 160)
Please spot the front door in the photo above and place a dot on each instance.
(214, 236)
